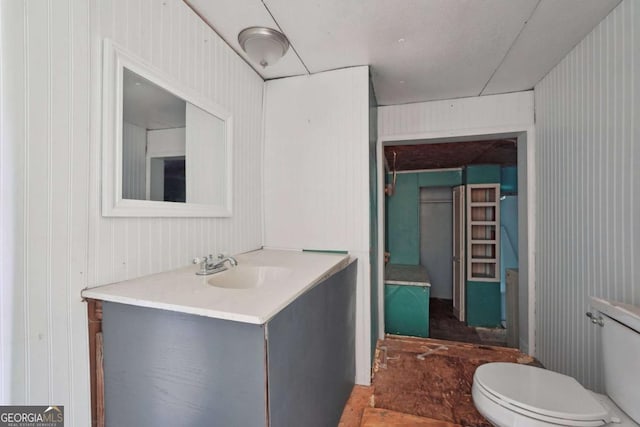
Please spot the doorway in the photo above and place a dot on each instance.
(436, 239)
(437, 234)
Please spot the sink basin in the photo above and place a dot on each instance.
(247, 277)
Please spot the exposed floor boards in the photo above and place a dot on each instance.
(374, 417)
(359, 412)
(425, 378)
(444, 325)
(360, 399)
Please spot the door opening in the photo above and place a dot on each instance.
(477, 303)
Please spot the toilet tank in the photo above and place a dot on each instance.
(621, 353)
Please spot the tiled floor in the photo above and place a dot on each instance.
(422, 381)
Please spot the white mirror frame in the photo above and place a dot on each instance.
(114, 60)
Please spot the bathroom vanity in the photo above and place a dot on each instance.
(178, 350)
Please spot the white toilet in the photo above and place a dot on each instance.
(514, 395)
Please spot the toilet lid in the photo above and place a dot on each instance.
(540, 391)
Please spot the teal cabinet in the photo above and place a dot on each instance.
(406, 310)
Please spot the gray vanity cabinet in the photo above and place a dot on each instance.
(169, 368)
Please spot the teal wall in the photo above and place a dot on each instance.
(509, 179)
(483, 303)
(403, 221)
(440, 179)
(508, 227)
(403, 212)
(508, 242)
(482, 174)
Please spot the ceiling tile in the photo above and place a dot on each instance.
(229, 17)
(450, 48)
(554, 29)
(418, 50)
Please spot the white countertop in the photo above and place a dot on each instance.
(183, 291)
(402, 274)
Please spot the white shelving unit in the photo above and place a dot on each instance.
(483, 232)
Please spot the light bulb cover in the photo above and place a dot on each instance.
(263, 45)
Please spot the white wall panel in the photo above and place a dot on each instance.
(316, 163)
(588, 164)
(134, 167)
(54, 241)
(317, 174)
(44, 77)
(455, 116)
(171, 37)
(166, 142)
(206, 181)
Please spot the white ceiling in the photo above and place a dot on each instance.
(149, 106)
(418, 50)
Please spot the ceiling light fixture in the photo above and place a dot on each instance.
(263, 45)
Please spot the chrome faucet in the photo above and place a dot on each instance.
(222, 259)
(210, 266)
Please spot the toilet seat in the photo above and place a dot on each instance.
(539, 394)
(502, 413)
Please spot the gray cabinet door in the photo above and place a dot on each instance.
(311, 354)
(164, 368)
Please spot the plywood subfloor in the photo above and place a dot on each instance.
(359, 412)
(361, 398)
(444, 325)
(432, 378)
(374, 417)
(423, 382)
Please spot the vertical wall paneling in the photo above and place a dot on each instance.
(13, 351)
(200, 175)
(44, 193)
(588, 170)
(54, 241)
(38, 98)
(198, 58)
(511, 114)
(6, 238)
(456, 117)
(316, 175)
(134, 171)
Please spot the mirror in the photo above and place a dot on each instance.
(166, 151)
